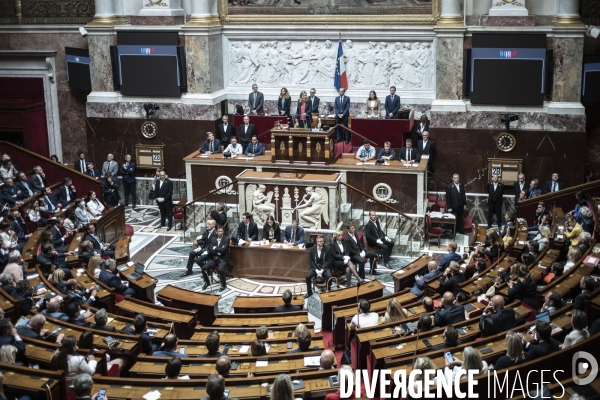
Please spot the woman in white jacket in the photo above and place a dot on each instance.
(94, 205)
(66, 358)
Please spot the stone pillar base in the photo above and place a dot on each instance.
(107, 21)
(204, 20)
(567, 22)
(450, 22)
(158, 20)
(490, 20)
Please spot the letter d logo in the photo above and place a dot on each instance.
(582, 367)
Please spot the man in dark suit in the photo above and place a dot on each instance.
(9, 335)
(554, 185)
(255, 148)
(212, 342)
(92, 171)
(293, 234)
(451, 279)
(35, 328)
(66, 193)
(587, 220)
(313, 102)
(376, 237)
(495, 193)
(256, 101)
(247, 131)
(210, 145)
(169, 347)
(409, 153)
(82, 386)
(320, 264)
(342, 113)
(200, 252)
(287, 303)
(503, 318)
(448, 313)
(38, 179)
(127, 171)
(358, 252)
(49, 256)
(53, 310)
(520, 186)
(456, 200)
(100, 321)
(140, 327)
(51, 205)
(219, 256)
(109, 276)
(73, 312)
(164, 198)
(105, 249)
(11, 195)
(450, 337)
(247, 229)
(17, 224)
(225, 131)
(392, 104)
(81, 163)
(545, 344)
(587, 285)
(24, 185)
(79, 297)
(427, 147)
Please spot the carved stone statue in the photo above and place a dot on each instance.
(314, 204)
(258, 203)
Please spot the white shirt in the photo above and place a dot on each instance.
(341, 246)
(234, 150)
(424, 144)
(68, 194)
(365, 320)
(457, 188)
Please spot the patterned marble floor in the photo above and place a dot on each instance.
(165, 256)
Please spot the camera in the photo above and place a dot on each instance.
(150, 108)
(508, 118)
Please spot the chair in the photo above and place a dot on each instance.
(31, 226)
(215, 270)
(468, 224)
(178, 215)
(433, 230)
(442, 204)
(335, 275)
(129, 231)
(432, 198)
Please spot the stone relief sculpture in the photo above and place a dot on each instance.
(369, 65)
(314, 204)
(260, 204)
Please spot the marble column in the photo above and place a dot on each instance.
(105, 13)
(568, 59)
(451, 13)
(204, 13)
(567, 14)
(204, 59)
(99, 41)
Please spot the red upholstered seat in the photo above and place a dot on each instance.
(436, 230)
(119, 298)
(433, 230)
(548, 278)
(31, 226)
(129, 230)
(468, 224)
(432, 198)
(442, 204)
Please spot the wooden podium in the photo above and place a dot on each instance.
(302, 146)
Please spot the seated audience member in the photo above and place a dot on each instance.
(8, 354)
(507, 240)
(451, 279)
(173, 369)
(365, 318)
(572, 256)
(75, 316)
(472, 361)
(66, 358)
(595, 327)
(587, 285)
(66, 193)
(100, 321)
(17, 225)
(365, 152)
(553, 185)
(262, 332)
(9, 336)
(94, 205)
(583, 242)
(501, 318)
(552, 302)
(534, 190)
(213, 341)
(320, 265)
(215, 388)
(450, 337)
(473, 260)
(34, 328)
(223, 366)
(16, 266)
(140, 327)
(448, 257)
(168, 348)
(255, 148)
(358, 253)
(387, 153)
(105, 249)
(82, 386)
(543, 343)
(424, 324)
(304, 340)
(418, 289)
(33, 212)
(282, 388)
(51, 205)
(257, 348)
(394, 312)
(83, 215)
(572, 231)
(86, 341)
(339, 252)
(293, 234)
(110, 189)
(8, 236)
(24, 185)
(11, 195)
(327, 360)
(557, 269)
(514, 352)
(8, 283)
(496, 245)
(271, 230)
(78, 295)
(543, 238)
(234, 148)
(287, 303)
(53, 310)
(579, 321)
(57, 279)
(210, 145)
(219, 257)
(509, 220)
(247, 229)
(50, 257)
(587, 222)
(24, 294)
(409, 153)
(448, 312)
(87, 251)
(8, 170)
(110, 277)
(38, 179)
(70, 222)
(428, 305)
(92, 171)
(524, 288)
(421, 365)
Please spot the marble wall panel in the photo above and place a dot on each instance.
(197, 58)
(173, 111)
(568, 58)
(491, 120)
(449, 68)
(120, 135)
(100, 64)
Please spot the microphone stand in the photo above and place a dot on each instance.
(357, 303)
(416, 345)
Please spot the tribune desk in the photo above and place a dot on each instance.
(262, 123)
(263, 261)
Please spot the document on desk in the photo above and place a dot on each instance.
(314, 361)
(435, 214)
(449, 216)
(275, 246)
(176, 202)
(254, 243)
(244, 348)
(154, 395)
(241, 242)
(262, 363)
(204, 155)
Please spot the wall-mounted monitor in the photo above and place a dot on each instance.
(78, 69)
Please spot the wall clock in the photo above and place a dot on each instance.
(149, 129)
(506, 142)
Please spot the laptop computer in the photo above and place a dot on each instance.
(545, 316)
(139, 271)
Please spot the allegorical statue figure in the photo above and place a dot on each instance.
(259, 204)
(314, 204)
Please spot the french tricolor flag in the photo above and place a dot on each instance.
(76, 59)
(340, 80)
(508, 54)
(147, 50)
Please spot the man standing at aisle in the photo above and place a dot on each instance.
(456, 200)
(164, 198)
(127, 171)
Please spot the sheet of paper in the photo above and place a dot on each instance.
(204, 156)
(275, 246)
(241, 242)
(314, 361)
(262, 363)
(254, 243)
(152, 395)
(244, 348)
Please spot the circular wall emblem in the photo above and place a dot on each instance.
(222, 181)
(149, 129)
(382, 192)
